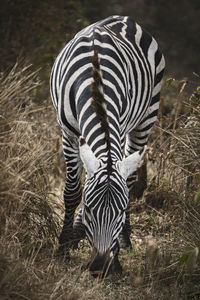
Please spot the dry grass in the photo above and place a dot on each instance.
(31, 183)
(28, 151)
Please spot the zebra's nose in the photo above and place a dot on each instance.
(100, 263)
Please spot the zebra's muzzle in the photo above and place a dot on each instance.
(102, 265)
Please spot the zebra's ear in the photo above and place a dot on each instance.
(131, 163)
(90, 162)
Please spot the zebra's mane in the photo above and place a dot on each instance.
(99, 104)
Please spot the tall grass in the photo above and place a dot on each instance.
(27, 159)
(165, 220)
(178, 180)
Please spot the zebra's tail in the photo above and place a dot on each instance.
(98, 101)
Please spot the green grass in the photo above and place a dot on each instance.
(164, 263)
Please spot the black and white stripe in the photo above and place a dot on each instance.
(129, 68)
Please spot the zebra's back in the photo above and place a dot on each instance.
(131, 66)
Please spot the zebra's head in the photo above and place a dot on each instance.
(104, 204)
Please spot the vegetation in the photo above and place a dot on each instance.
(166, 231)
(165, 261)
(39, 29)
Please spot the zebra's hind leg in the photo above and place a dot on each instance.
(72, 193)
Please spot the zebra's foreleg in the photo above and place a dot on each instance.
(135, 141)
(72, 194)
(124, 237)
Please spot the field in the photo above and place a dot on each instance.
(165, 261)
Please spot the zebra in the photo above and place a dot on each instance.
(105, 86)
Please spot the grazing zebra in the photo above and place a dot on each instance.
(105, 86)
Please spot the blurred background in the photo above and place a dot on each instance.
(37, 30)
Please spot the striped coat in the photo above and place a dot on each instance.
(105, 87)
